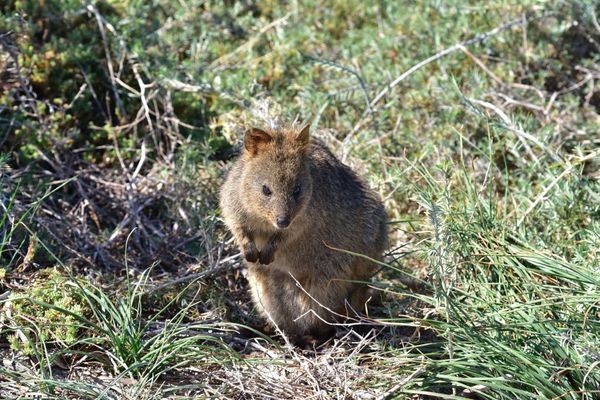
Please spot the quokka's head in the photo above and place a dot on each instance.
(276, 184)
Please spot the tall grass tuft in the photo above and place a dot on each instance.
(512, 318)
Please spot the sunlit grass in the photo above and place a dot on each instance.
(486, 158)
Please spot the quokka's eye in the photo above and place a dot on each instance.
(297, 190)
(266, 191)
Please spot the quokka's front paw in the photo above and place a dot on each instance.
(251, 253)
(266, 255)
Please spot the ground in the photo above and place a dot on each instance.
(477, 123)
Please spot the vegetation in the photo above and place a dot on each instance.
(476, 122)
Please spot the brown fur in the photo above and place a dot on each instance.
(332, 208)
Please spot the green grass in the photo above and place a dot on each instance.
(118, 280)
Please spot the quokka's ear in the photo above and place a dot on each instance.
(304, 135)
(255, 139)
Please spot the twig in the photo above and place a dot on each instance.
(186, 87)
(550, 103)
(111, 72)
(143, 86)
(496, 79)
(445, 52)
(529, 106)
(205, 88)
(521, 135)
(594, 18)
(141, 162)
(418, 372)
(77, 95)
(429, 60)
(481, 65)
(579, 84)
(213, 271)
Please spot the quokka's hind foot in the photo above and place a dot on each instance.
(256, 330)
(314, 339)
(309, 342)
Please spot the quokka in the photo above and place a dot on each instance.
(291, 204)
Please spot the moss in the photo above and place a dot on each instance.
(45, 312)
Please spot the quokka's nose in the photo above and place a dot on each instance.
(283, 221)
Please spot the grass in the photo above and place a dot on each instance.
(117, 124)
